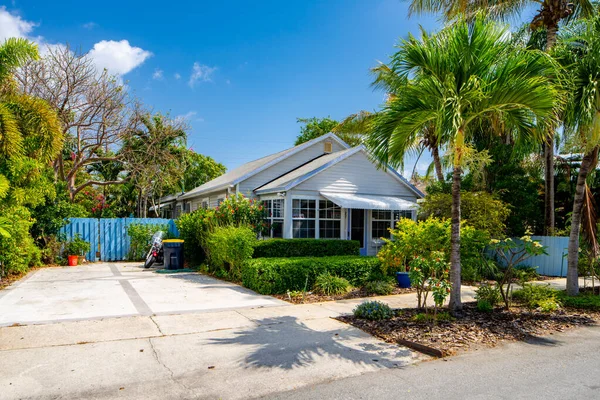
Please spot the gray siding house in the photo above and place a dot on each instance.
(320, 189)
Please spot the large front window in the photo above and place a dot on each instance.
(330, 218)
(304, 214)
(383, 220)
(275, 211)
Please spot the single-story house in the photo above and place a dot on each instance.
(320, 189)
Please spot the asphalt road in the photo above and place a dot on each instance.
(565, 366)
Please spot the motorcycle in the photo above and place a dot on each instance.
(156, 253)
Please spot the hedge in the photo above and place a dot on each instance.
(306, 248)
(278, 275)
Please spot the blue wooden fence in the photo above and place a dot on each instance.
(555, 262)
(108, 236)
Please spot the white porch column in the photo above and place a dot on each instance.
(287, 217)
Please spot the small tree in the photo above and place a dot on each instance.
(511, 254)
(430, 275)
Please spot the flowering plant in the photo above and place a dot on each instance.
(430, 275)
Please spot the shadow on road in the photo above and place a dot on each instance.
(287, 343)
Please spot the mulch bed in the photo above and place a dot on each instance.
(475, 329)
(356, 293)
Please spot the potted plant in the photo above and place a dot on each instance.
(75, 250)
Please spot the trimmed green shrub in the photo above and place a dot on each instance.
(380, 287)
(373, 310)
(484, 306)
(76, 246)
(228, 247)
(18, 251)
(329, 285)
(534, 296)
(278, 275)
(306, 248)
(585, 301)
(489, 294)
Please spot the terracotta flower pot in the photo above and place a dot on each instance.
(73, 260)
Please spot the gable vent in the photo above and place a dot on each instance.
(328, 147)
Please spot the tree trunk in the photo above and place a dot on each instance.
(573, 256)
(435, 152)
(549, 186)
(455, 300)
(551, 33)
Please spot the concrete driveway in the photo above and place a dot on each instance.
(117, 289)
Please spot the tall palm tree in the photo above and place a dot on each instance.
(467, 73)
(549, 17)
(582, 119)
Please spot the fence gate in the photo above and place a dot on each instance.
(108, 236)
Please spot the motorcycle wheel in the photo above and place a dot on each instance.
(149, 260)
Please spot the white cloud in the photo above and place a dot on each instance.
(90, 25)
(190, 116)
(12, 25)
(118, 58)
(201, 73)
(177, 76)
(158, 74)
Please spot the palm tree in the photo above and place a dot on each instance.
(549, 17)
(461, 76)
(29, 127)
(582, 118)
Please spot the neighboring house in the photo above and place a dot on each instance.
(320, 189)
(168, 207)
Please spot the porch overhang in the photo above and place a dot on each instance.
(369, 201)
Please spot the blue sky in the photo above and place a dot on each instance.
(256, 66)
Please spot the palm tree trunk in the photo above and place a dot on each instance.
(549, 220)
(573, 256)
(455, 300)
(549, 186)
(435, 152)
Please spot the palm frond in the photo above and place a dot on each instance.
(14, 52)
(11, 141)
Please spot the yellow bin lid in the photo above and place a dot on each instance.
(173, 241)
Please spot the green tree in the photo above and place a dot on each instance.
(199, 169)
(466, 73)
(316, 127)
(548, 18)
(581, 55)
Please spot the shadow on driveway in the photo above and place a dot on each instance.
(287, 343)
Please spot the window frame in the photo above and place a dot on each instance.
(314, 219)
(270, 218)
(335, 208)
(394, 217)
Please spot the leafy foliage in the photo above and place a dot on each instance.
(487, 297)
(480, 210)
(278, 275)
(306, 248)
(538, 296)
(316, 127)
(373, 310)
(380, 287)
(430, 275)
(228, 247)
(76, 246)
(329, 285)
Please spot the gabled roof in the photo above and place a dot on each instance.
(308, 170)
(251, 168)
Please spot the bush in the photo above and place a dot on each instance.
(329, 285)
(278, 275)
(373, 310)
(585, 301)
(140, 236)
(489, 294)
(484, 306)
(18, 251)
(229, 247)
(534, 296)
(195, 227)
(306, 248)
(380, 287)
(422, 238)
(76, 246)
(428, 317)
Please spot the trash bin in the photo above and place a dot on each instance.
(173, 252)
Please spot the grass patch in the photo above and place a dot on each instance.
(585, 301)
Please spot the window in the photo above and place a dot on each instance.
(304, 213)
(275, 211)
(380, 224)
(205, 203)
(330, 215)
(220, 200)
(382, 220)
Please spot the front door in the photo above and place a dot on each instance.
(357, 228)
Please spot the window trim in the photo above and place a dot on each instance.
(391, 221)
(316, 218)
(271, 219)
